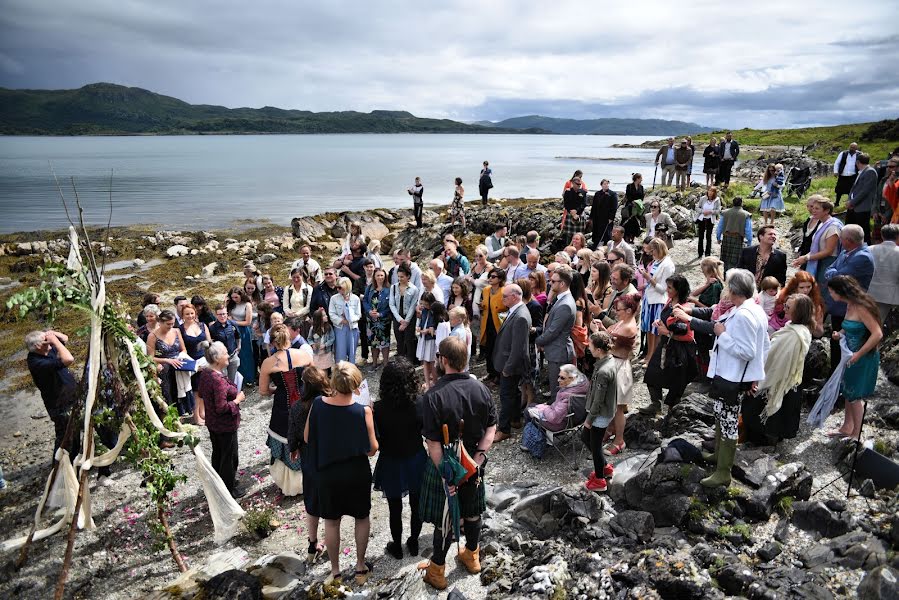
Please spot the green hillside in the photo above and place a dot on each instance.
(104, 108)
(606, 126)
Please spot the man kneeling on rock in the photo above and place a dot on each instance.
(455, 399)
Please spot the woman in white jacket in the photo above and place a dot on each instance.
(656, 292)
(345, 310)
(705, 214)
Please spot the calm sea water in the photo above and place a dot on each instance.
(192, 182)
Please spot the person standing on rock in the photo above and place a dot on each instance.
(710, 161)
(737, 361)
(846, 171)
(485, 182)
(602, 214)
(692, 154)
(312, 271)
(705, 215)
(734, 227)
(683, 158)
(602, 402)
(457, 206)
(728, 151)
(511, 359)
(864, 196)
(555, 339)
(456, 399)
(632, 209)
(417, 190)
(665, 157)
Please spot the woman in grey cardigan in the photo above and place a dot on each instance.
(602, 402)
(660, 224)
(403, 301)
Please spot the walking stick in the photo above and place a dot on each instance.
(654, 173)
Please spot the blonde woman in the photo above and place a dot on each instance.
(345, 310)
(341, 434)
(656, 293)
(429, 284)
(705, 214)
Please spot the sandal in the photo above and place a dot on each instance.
(315, 551)
(362, 576)
(836, 433)
(616, 449)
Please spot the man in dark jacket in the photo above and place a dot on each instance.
(321, 294)
(728, 150)
(863, 196)
(602, 214)
(773, 262)
(511, 358)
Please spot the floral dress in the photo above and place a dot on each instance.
(379, 329)
(457, 209)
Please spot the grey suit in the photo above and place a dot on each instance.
(512, 360)
(556, 339)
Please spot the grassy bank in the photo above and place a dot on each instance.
(873, 138)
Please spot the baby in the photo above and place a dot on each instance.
(770, 288)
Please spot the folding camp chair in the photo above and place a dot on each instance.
(574, 422)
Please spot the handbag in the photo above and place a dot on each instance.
(728, 391)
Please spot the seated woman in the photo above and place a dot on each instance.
(571, 383)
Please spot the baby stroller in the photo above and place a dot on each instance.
(798, 181)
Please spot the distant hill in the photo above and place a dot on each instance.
(105, 108)
(601, 126)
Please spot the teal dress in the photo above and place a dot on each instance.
(859, 379)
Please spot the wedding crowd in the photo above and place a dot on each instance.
(564, 337)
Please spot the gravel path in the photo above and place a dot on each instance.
(117, 561)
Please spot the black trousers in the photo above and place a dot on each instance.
(224, 456)
(599, 459)
(417, 208)
(862, 219)
(487, 347)
(395, 505)
(723, 175)
(844, 186)
(704, 229)
(406, 342)
(484, 191)
(363, 335)
(836, 323)
(509, 402)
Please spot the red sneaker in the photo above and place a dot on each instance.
(596, 485)
(607, 471)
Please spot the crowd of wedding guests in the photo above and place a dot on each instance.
(584, 322)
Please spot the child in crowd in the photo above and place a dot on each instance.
(321, 338)
(708, 294)
(426, 330)
(274, 320)
(769, 289)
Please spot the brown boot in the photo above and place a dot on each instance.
(471, 559)
(434, 574)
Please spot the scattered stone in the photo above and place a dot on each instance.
(816, 516)
(209, 270)
(138, 262)
(880, 584)
(769, 551)
(264, 259)
(177, 250)
(233, 585)
(279, 573)
(634, 524)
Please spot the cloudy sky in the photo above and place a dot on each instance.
(729, 64)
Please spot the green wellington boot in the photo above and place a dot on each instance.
(727, 449)
(712, 457)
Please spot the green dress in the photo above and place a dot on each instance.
(859, 379)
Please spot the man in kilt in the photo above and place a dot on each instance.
(734, 228)
(457, 397)
(573, 223)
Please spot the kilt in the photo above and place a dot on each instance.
(731, 248)
(571, 227)
(472, 497)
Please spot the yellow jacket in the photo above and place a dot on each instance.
(492, 302)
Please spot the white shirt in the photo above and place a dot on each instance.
(517, 272)
(744, 345)
(445, 283)
(315, 269)
(626, 248)
(850, 168)
(727, 154)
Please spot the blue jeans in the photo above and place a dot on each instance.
(345, 341)
(509, 402)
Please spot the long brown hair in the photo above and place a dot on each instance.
(239, 291)
(848, 287)
(792, 287)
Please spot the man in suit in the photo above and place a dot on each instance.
(773, 261)
(884, 288)
(511, 358)
(555, 339)
(665, 156)
(863, 197)
(855, 260)
(728, 150)
(845, 170)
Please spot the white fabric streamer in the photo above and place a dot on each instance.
(831, 390)
(224, 510)
(145, 396)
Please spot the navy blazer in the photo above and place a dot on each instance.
(858, 263)
(734, 149)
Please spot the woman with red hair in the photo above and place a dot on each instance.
(802, 282)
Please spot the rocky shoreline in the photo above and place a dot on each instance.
(656, 534)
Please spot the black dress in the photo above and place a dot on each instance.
(338, 447)
(289, 386)
(673, 364)
(632, 211)
(402, 456)
(710, 165)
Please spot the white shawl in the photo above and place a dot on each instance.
(784, 365)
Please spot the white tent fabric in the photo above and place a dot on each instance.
(224, 510)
